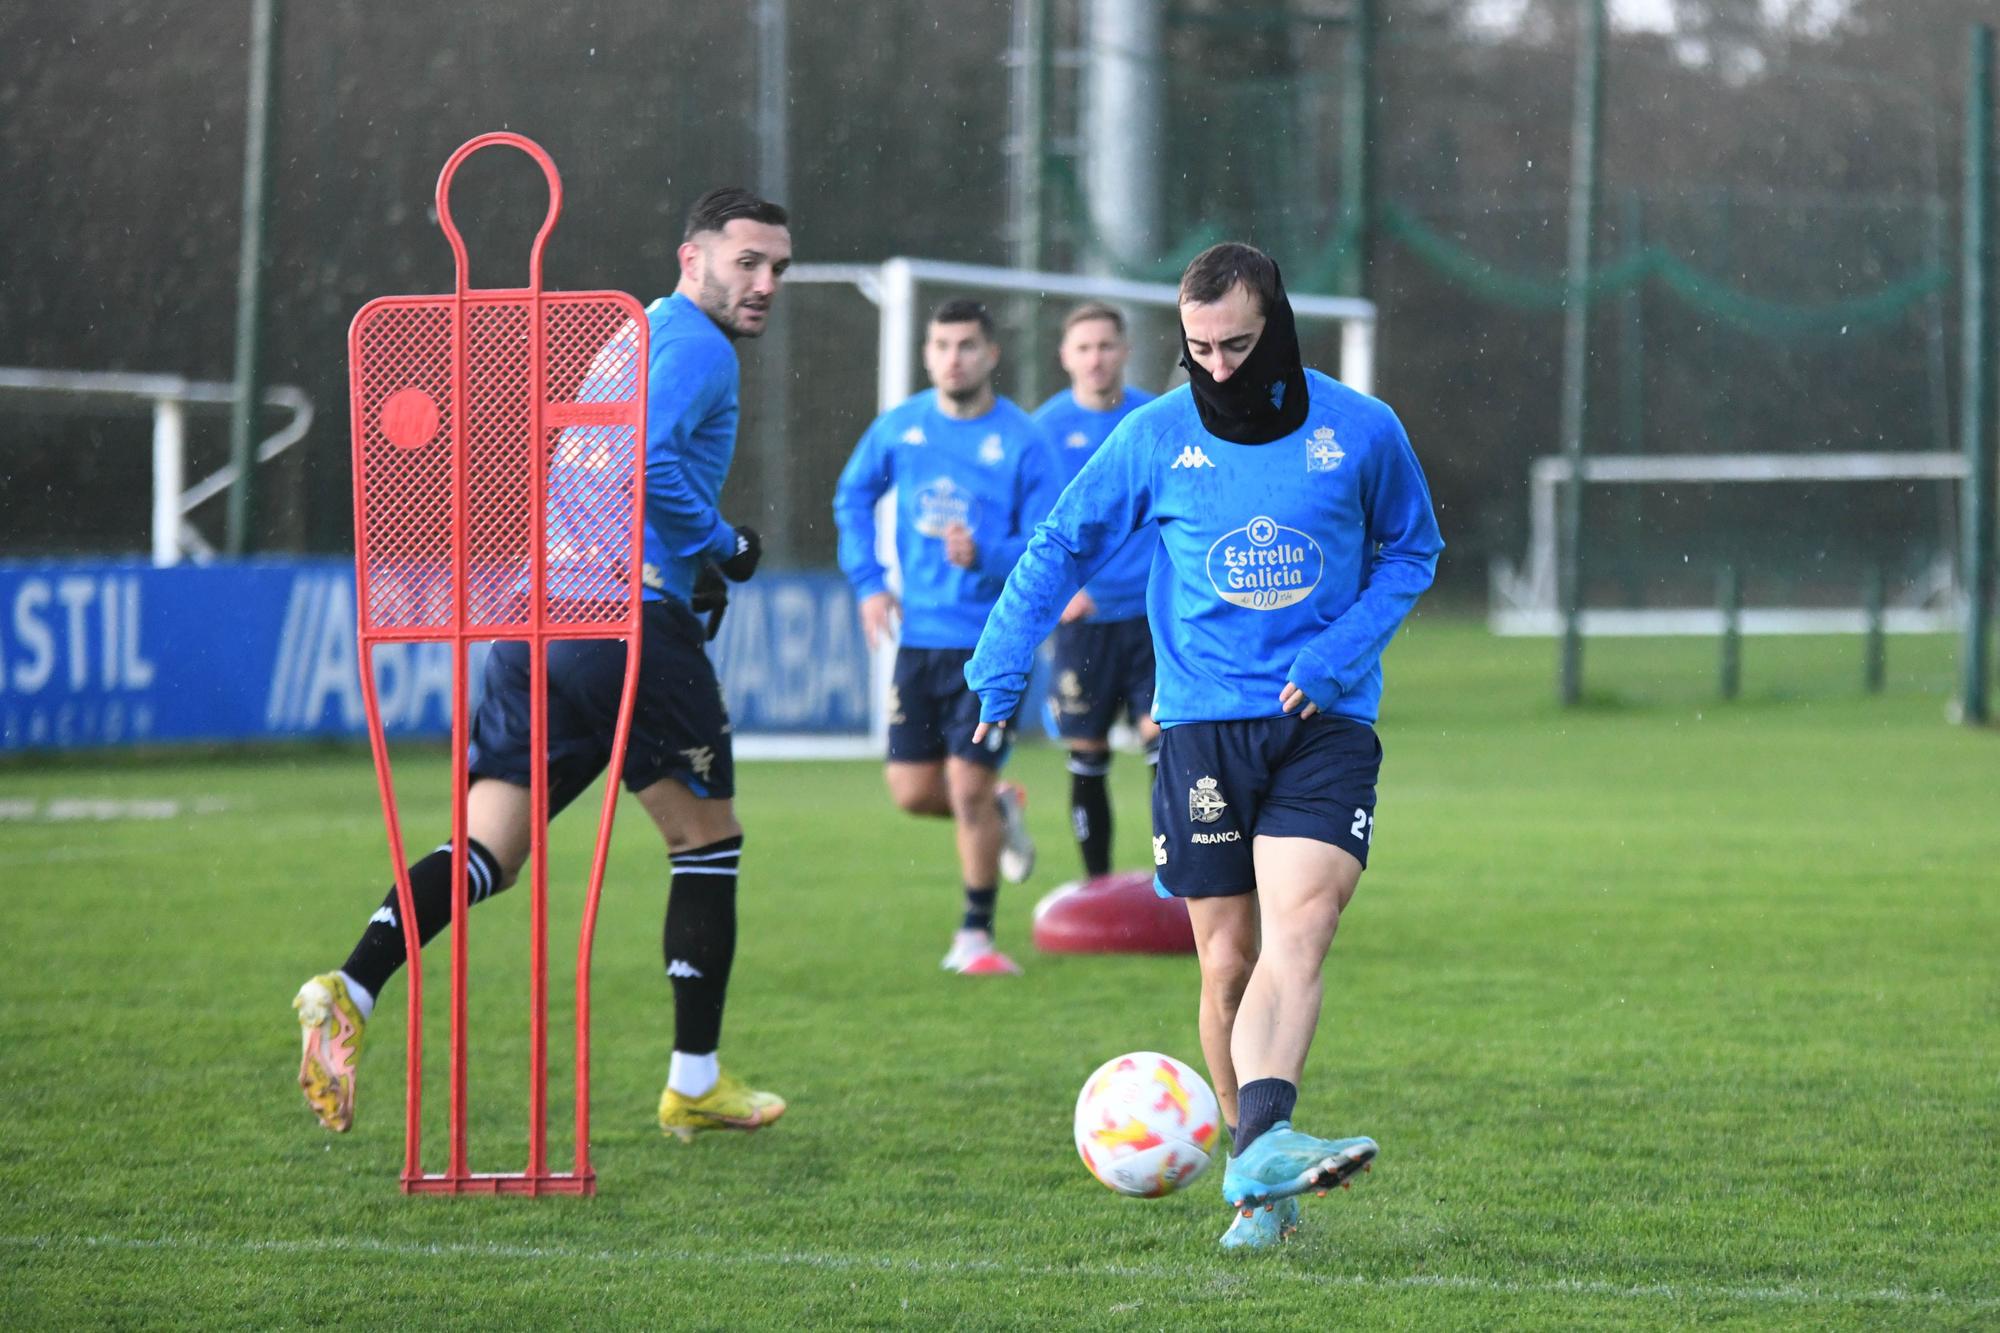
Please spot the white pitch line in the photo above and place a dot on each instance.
(1779, 1294)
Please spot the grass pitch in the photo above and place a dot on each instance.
(1665, 1012)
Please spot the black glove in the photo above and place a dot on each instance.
(749, 550)
(710, 597)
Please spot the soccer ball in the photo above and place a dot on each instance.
(1145, 1124)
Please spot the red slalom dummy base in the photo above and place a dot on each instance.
(1115, 913)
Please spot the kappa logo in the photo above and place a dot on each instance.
(1192, 456)
(1205, 803)
(683, 969)
(1076, 439)
(1324, 453)
(385, 915)
(914, 435)
(1159, 849)
(701, 758)
(991, 450)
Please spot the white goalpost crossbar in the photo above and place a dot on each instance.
(1523, 601)
(892, 287)
(167, 397)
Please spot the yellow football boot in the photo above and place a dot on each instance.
(331, 1028)
(730, 1104)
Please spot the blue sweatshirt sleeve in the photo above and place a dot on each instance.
(866, 478)
(1109, 500)
(680, 391)
(1037, 483)
(1402, 534)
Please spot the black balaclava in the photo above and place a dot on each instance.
(1265, 399)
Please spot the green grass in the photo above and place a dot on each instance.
(1665, 1011)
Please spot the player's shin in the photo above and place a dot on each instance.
(380, 951)
(700, 946)
(1090, 808)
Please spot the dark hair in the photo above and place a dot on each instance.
(1090, 310)
(726, 203)
(965, 310)
(1220, 267)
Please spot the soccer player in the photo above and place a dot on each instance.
(678, 761)
(973, 475)
(1296, 533)
(1104, 652)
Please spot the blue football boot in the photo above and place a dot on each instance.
(1283, 1163)
(1262, 1228)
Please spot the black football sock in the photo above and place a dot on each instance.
(700, 941)
(1262, 1103)
(1090, 809)
(979, 904)
(379, 951)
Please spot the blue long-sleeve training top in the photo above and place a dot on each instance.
(690, 441)
(1077, 432)
(1289, 561)
(996, 474)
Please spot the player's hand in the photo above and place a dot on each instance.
(879, 614)
(1081, 607)
(710, 596)
(959, 548)
(1292, 696)
(749, 550)
(985, 729)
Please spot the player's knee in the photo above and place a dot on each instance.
(1226, 968)
(972, 798)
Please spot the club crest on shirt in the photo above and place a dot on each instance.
(941, 504)
(1323, 452)
(1205, 803)
(1076, 439)
(914, 435)
(1264, 565)
(991, 450)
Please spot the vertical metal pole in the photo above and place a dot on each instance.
(1875, 655)
(1586, 116)
(1357, 151)
(1028, 150)
(1730, 594)
(1980, 342)
(260, 112)
(774, 183)
(169, 478)
(1124, 111)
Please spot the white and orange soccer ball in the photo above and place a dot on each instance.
(1146, 1124)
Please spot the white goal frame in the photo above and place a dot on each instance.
(1523, 601)
(168, 398)
(892, 287)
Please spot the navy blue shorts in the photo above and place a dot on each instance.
(932, 711)
(1101, 668)
(1223, 783)
(680, 726)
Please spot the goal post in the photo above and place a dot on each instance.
(1523, 598)
(902, 291)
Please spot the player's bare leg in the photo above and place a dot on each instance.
(706, 844)
(918, 789)
(1302, 887)
(980, 830)
(1225, 941)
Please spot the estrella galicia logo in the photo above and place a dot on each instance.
(941, 504)
(1264, 565)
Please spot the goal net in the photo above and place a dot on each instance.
(1812, 538)
(845, 346)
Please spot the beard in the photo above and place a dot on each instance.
(717, 303)
(968, 395)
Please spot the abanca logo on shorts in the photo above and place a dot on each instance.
(1264, 565)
